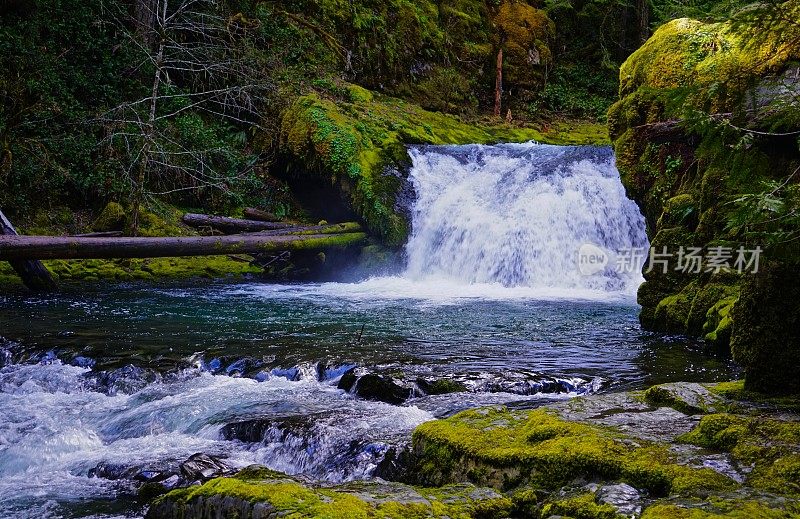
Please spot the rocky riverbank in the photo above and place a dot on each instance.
(676, 450)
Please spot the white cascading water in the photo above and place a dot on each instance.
(516, 216)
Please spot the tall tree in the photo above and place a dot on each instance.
(521, 36)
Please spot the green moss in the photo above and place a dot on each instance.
(719, 509)
(146, 269)
(111, 218)
(685, 52)
(505, 449)
(662, 396)
(290, 498)
(719, 322)
(580, 507)
(771, 447)
(673, 311)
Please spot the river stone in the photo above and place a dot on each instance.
(440, 386)
(202, 467)
(623, 497)
(374, 387)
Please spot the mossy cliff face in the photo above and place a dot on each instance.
(685, 96)
(352, 141)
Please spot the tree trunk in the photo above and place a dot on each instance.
(643, 20)
(15, 248)
(32, 272)
(145, 13)
(231, 225)
(498, 83)
(149, 128)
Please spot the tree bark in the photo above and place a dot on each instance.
(643, 20)
(33, 273)
(498, 83)
(16, 248)
(231, 225)
(150, 126)
(144, 14)
(263, 216)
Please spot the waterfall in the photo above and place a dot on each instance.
(516, 215)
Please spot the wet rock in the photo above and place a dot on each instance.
(441, 386)
(623, 497)
(125, 380)
(528, 383)
(112, 471)
(348, 379)
(629, 414)
(395, 465)
(202, 467)
(374, 387)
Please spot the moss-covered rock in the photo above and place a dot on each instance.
(686, 171)
(685, 397)
(505, 449)
(765, 336)
(257, 492)
(355, 144)
(111, 218)
(770, 447)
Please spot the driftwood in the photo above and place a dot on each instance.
(32, 272)
(15, 248)
(252, 213)
(230, 225)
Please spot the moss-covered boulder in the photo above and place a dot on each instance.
(111, 218)
(507, 449)
(350, 144)
(259, 493)
(693, 135)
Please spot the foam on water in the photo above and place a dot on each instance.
(506, 222)
(53, 430)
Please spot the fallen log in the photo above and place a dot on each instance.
(230, 225)
(33, 273)
(251, 213)
(13, 248)
(336, 228)
(101, 234)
